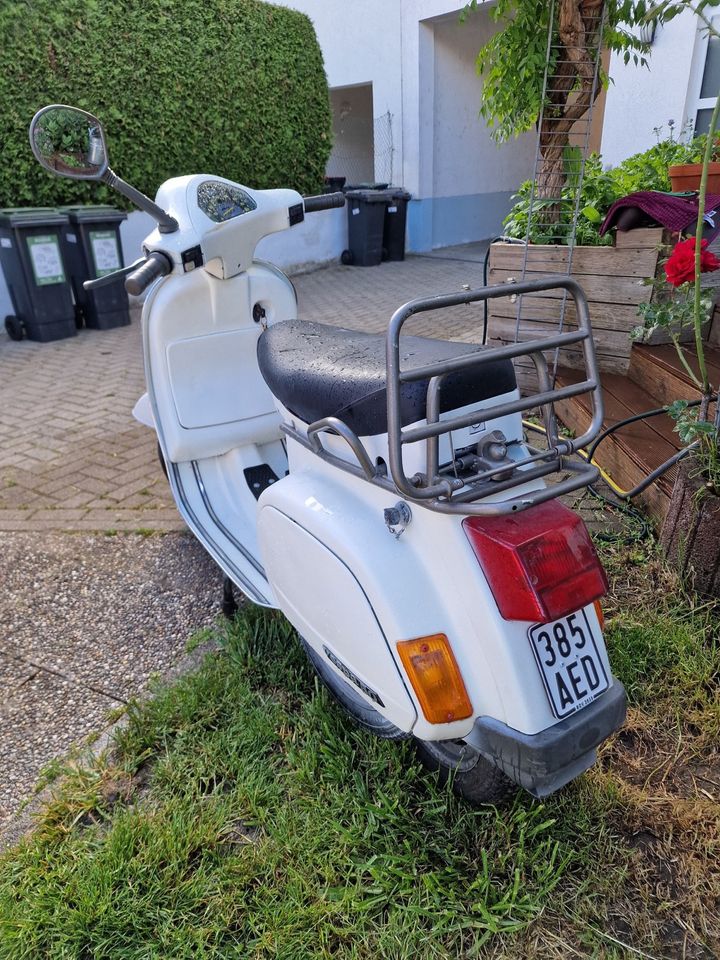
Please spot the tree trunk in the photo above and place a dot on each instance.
(571, 91)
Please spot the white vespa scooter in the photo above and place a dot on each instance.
(376, 489)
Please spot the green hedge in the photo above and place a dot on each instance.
(234, 88)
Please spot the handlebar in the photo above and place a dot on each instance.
(156, 265)
(325, 201)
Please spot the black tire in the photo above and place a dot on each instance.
(473, 777)
(161, 458)
(356, 706)
(347, 258)
(14, 328)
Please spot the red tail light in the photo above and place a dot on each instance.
(540, 563)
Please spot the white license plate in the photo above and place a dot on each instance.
(569, 662)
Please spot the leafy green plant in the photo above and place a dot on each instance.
(600, 188)
(671, 310)
(648, 170)
(236, 88)
(595, 196)
(516, 73)
(684, 268)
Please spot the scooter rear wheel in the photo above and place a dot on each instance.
(473, 777)
(358, 708)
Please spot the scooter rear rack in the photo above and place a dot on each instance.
(452, 494)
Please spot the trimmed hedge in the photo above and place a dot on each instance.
(234, 88)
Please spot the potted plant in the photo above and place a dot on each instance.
(685, 177)
(691, 532)
(668, 317)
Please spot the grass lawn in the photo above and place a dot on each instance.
(239, 814)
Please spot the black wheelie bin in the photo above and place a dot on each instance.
(32, 262)
(395, 223)
(366, 218)
(92, 249)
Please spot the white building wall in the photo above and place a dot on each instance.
(353, 154)
(421, 62)
(473, 177)
(360, 43)
(639, 99)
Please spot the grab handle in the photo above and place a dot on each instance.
(156, 265)
(325, 201)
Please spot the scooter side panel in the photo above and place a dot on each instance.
(427, 581)
(201, 370)
(330, 611)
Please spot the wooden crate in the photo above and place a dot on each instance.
(614, 280)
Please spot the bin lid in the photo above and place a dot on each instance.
(369, 196)
(31, 217)
(93, 214)
(366, 186)
(399, 193)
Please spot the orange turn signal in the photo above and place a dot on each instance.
(436, 678)
(600, 614)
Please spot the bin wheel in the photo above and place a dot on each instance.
(79, 316)
(385, 254)
(14, 328)
(347, 258)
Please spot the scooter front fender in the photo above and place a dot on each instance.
(142, 412)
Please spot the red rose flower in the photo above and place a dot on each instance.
(680, 268)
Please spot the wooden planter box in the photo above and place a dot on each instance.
(614, 281)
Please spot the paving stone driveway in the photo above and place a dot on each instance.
(73, 458)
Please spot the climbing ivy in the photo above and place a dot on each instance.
(234, 88)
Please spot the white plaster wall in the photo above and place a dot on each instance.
(132, 233)
(418, 74)
(361, 43)
(353, 153)
(466, 160)
(318, 240)
(639, 98)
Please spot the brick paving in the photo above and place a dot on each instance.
(72, 457)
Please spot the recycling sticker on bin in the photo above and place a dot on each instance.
(46, 260)
(105, 251)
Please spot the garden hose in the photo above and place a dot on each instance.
(650, 478)
(584, 454)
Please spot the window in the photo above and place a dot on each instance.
(710, 82)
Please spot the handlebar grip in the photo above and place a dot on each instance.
(156, 265)
(325, 201)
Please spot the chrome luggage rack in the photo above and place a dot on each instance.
(438, 489)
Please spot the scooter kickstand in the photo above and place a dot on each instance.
(229, 604)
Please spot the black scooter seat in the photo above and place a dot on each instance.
(317, 371)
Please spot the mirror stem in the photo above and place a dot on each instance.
(166, 223)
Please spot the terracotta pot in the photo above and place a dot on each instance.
(690, 535)
(686, 176)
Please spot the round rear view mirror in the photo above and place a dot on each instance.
(69, 142)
